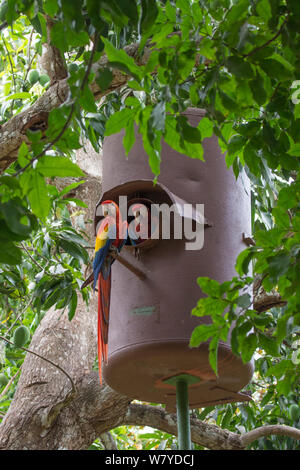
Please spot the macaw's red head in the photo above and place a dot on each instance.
(142, 220)
(112, 222)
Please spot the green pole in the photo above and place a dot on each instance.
(183, 417)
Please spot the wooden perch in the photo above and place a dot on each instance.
(125, 263)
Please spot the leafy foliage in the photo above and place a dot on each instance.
(238, 60)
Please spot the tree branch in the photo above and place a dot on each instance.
(204, 434)
(72, 109)
(269, 41)
(13, 132)
(9, 384)
(108, 441)
(264, 431)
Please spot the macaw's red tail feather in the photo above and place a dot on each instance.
(104, 287)
(99, 333)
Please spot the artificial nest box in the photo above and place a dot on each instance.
(150, 320)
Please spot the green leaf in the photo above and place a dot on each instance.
(267, 397)
(287, 197)
(227, 418)
(205, 127)
(264, 10)
(284, 386)
(9, 181)
(39, 24)
(228, 102)
(118, 121)
(234, 342)
(207, 49)
(52, 298)
(278, 265)
(172, 138)
(10, 254)
(23, 152)
(279, 370)
(76, 39)
(152, 146)
(252, 160)
(281, 217)
(87, 100)
(73, 249)
(209, 286)
(236, 11)
(129, 8)
(65, 297)
(249, 129)
(69, 188)
(210, 306)
(72, 305)
(235, 144)
(243, 260)
(190, 134)
(294, 150)
(72, 236)
(58, 166)
(268, 344)
(13, 212)
(239, 67)
(77, 201)
(58, 36)
(129, 137)
(50, 7)
(149, 15)
(248, 347)
(104, 78)
(213, 354)
(158, 116)
(205, 412)
(19, 96)
(118, 58)
(258, 90)
(202, 333)
(275, 69)
(38, 195)
(297, 110)
(243, 330)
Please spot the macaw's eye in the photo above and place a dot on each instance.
(137, 214)
(105, 212)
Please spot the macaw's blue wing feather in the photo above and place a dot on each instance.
(99, 260)
(106, 265)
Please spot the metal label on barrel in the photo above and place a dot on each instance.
(149, 310)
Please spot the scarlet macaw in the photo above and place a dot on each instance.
(144, 225)
(112, 234)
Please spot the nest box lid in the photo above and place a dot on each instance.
(158, 193)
